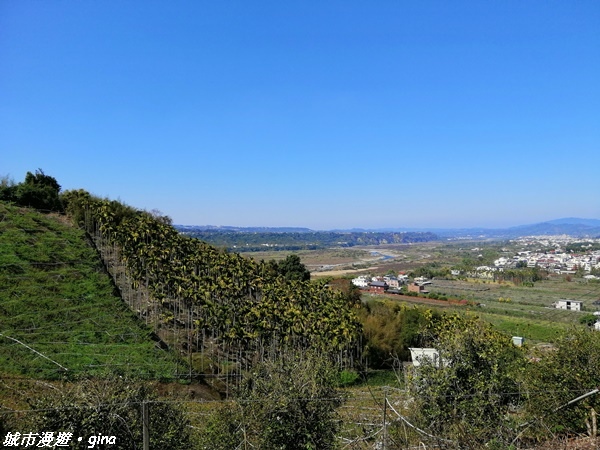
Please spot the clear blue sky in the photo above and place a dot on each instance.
(323, 114)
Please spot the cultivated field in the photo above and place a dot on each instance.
(518, 310)
(360, 260)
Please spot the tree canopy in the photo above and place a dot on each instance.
(472, 387)
(291, 268)
(38, 191)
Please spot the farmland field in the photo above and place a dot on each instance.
(357, 260)
(516, 309)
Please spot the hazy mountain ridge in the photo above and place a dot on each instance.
(572, 226)
(225, 228)
(580, 229)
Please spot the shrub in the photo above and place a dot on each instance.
(112, 407)
(289, 403)
(468, 396)
(348, 378)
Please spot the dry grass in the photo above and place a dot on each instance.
(580, 443)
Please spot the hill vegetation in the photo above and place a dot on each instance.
(38, 190)
(93, 311)
(61, 315)
(250, 241)
(220, 308)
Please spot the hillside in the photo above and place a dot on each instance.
(92, 286)
(63, 317)
(249, 240)
(570, 226)
(222, 311)
(60, 314)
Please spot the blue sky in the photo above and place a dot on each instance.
(333, 114)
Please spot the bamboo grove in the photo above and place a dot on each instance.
(224, 312)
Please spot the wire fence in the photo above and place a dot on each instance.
(379, 417)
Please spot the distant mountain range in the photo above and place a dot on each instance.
(568, 226)
(571, 226)
(216, 228)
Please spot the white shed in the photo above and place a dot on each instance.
(518, 340)
(419, 355)
(573, 305)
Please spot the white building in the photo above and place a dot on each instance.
(402, 278)
(573, 305)
(361, 282)
(419, 355)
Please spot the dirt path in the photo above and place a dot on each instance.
(338, 273)
(422, 301)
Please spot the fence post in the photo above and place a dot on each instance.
(145, 425)
(384, 417)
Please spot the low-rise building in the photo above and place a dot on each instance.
(418, 288)
(572, 305)
(392, 282)
(420, 355)
(378, 287)
(361, 282)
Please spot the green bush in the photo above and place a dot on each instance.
(348, 378)
(559, 376)
(289, 403)
(468, 396)
(114, 408)
(38, 191)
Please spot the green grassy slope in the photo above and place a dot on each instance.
(59, 312)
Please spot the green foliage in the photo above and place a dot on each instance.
(348, 378)
(291, 268)
(112, 407)
(74, 203)
(431, 270)
(246, 307)
(390, 330)
(5, 425)
(381, 378)
(558, 376)
(287, 404)
(580, 247)
(486, 254)
(38, 191)
(588, 319)
(244, 241)
(526, 276)
(56, 298)
(224, 429)
(350, 291)
(7, 189)
(466, 399)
